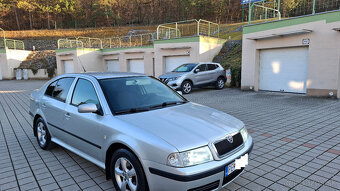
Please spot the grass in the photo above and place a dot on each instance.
(86, 32)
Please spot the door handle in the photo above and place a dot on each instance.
(67, 115)
(43, 105)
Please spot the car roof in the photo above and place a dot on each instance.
(105, 75)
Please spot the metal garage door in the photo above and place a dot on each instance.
(68, 66)
(113, 66)
(172, 62)
(136, 66)
(284, 69)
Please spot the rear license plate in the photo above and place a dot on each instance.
(230, 169)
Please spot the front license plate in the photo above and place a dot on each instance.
(230, 169)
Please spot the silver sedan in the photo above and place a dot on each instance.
(144, 134)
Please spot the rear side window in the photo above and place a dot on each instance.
(50, 88)
(84, 92)
(62, 88)
(212, 66)
(202, 67)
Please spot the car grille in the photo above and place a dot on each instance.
(164, 80)
(223, 147)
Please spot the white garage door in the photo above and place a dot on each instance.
(68, 66)
(284, 69)
(0, 72)
(136, 66)
(113, 66)
(172, 62)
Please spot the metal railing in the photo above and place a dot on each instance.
(11, 43)
(69, 43)
(14, 44)
(187, 28)
(114, 42)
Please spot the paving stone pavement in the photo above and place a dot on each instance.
(297, 143)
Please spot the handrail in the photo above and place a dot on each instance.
(16, 44)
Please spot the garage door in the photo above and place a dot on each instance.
(284, 69)
(172, 62)
(113, 66)
(136, 66)
(68, 66)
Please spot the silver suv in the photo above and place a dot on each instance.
(144, 134)
(190, 75)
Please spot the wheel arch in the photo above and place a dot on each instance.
(114, 147)
(189, 81)
(221, 76)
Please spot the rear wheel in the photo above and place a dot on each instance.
(43, 135)
(126, 172)
(220, 83)
(186, 87)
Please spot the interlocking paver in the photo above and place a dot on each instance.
(296, 143)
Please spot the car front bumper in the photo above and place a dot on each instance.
(207, 176)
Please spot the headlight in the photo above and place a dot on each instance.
(190, 158)
(244, 134)
(172, 79)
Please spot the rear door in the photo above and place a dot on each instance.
(53, 105)
(84, 130)
(212, 72)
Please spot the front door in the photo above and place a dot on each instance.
(85, 129)
(202, 75)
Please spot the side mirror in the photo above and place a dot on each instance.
(197, 70)
(88, 108)
(180, 92)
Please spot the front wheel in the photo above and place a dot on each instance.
(43, 135)
(220, 83)
(126, 172)
(186, 87)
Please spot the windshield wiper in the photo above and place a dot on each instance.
(164, 104)
(132, 110)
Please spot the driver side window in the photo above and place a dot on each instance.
(84, 93)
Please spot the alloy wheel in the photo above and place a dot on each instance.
(125, 175)
(220, 83)
(187, 87)
(41, 133)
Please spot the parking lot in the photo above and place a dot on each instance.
(297, 143)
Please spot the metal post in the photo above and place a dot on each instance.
(278, 9)
(209, 29)
(249, 17)
(176, 29)
(141, 40)
(313, 6)
(4, 35)
(266, 14)
(14, 44)
(130, 41)
(198, 28)
(242, 13)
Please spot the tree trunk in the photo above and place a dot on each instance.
(48, 20)
(16, 18)
(29, 16)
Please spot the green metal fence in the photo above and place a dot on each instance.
(70, 43)
(187, 28)
(6, 43)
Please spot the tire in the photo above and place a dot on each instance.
(120, 173)
(186, 87)
(219, 84)
(43, 135)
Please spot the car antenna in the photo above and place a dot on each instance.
(81, 64)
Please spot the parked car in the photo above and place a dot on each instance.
(190, 75)
(144, 134)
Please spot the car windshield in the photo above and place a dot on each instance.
(138, 94)
(185, 68)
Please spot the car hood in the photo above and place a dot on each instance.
(185, 126)
(172, 74)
